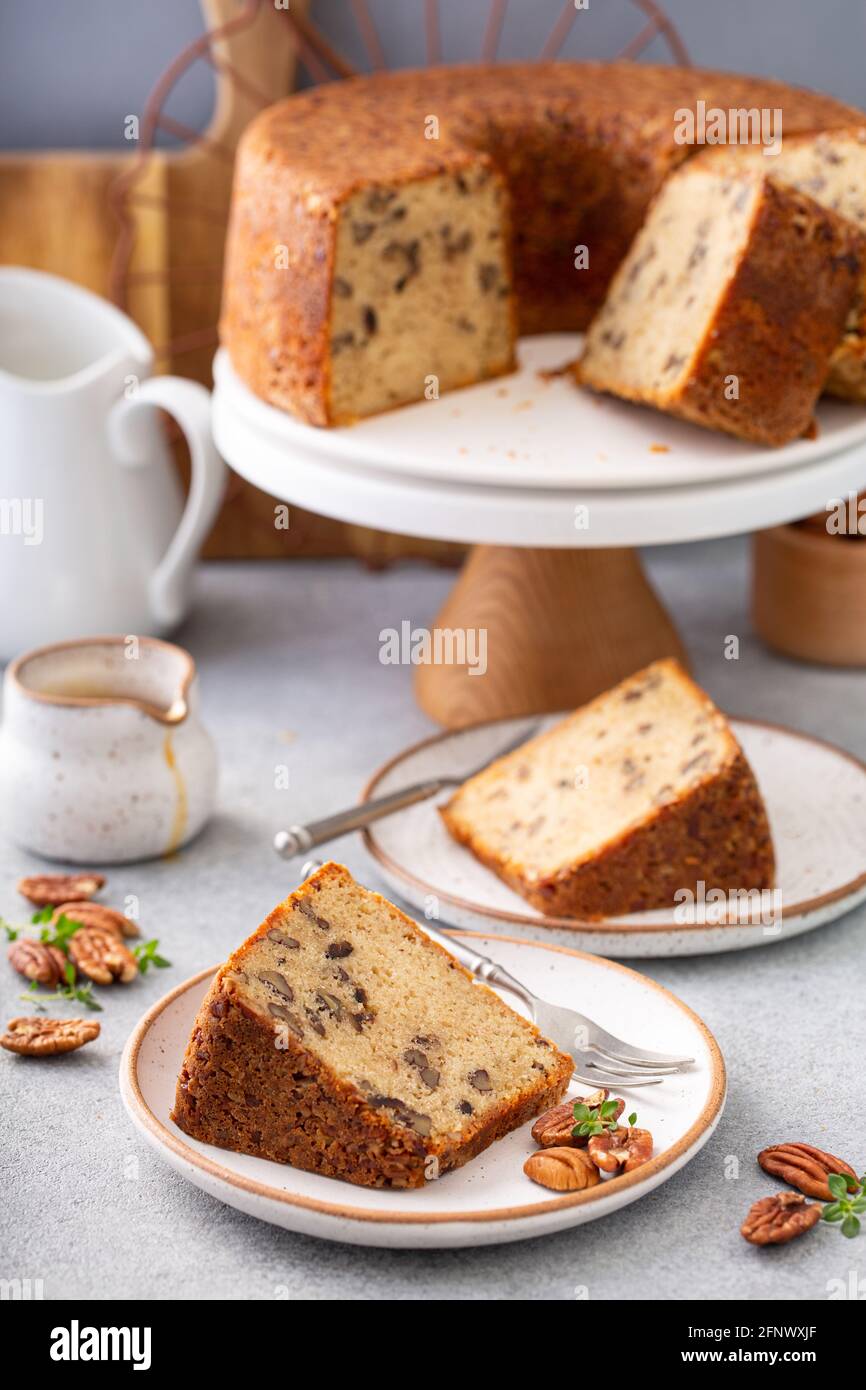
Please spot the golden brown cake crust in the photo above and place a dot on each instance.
(583, 148)
(239, 1089)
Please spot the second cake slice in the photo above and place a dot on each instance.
(728, 307)
(640, 793)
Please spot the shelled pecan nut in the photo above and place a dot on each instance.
(102, 956)
(46, 1037)
(46, 965)
(621, 1149)
(563, 1170)
(804, 1167)
(47, 890)
(97, 915)
(553, 1128)
(780, 1218)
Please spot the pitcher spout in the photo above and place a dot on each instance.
(144, 673)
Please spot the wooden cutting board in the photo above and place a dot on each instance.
(57, 214)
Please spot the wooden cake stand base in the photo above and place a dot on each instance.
(556, 628)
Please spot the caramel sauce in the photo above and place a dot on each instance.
(182, 807)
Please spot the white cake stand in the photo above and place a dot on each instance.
(553, 487)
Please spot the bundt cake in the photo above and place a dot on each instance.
(730, 302)
(341, 1039)
(640, 793)
(390, 235)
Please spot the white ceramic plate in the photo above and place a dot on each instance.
(527, 430)
(816, 800)
(490, 1200)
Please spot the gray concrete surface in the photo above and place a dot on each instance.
(290, 674)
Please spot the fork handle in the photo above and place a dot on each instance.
(482, 967)
(298, 839)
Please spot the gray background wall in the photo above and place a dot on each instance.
(71, 70)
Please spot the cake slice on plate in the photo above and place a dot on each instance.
(640, 793)
(341, 1039)
(728, 307)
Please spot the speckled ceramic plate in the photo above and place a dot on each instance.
(490, 1200)
(816, 800)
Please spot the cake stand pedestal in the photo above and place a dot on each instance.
(553, 488)
(561, 626)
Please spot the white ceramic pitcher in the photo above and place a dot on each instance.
(94, 533)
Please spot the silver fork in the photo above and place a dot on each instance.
(300, 839)
(600, 1059)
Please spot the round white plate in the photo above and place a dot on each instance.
(556, 501)
(531, 430)
(488, 1201)
(816, 800)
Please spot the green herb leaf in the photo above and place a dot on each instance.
(851, 1226)
(43, 915)
(837, 1185)
(632, 1119)
(146, 954)
(71, 993)
(59, 933)
(581, 1111)
(832, 1212)
(12, 933)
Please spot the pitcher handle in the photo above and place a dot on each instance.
(190, 405)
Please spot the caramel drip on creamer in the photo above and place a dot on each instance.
(182, 807)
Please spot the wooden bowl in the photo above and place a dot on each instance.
(809, 594)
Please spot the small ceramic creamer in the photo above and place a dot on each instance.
(103, 757)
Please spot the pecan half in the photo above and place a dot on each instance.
(621, 1148)
(102, 956)
(777, 1219)
(97, 915)
(46, 890)
(553, 1128)
(46, 1037)
(36, 961)
(563, 1170)
(804, 1167)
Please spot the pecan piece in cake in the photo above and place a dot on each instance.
(276, 981)
(291, 943)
